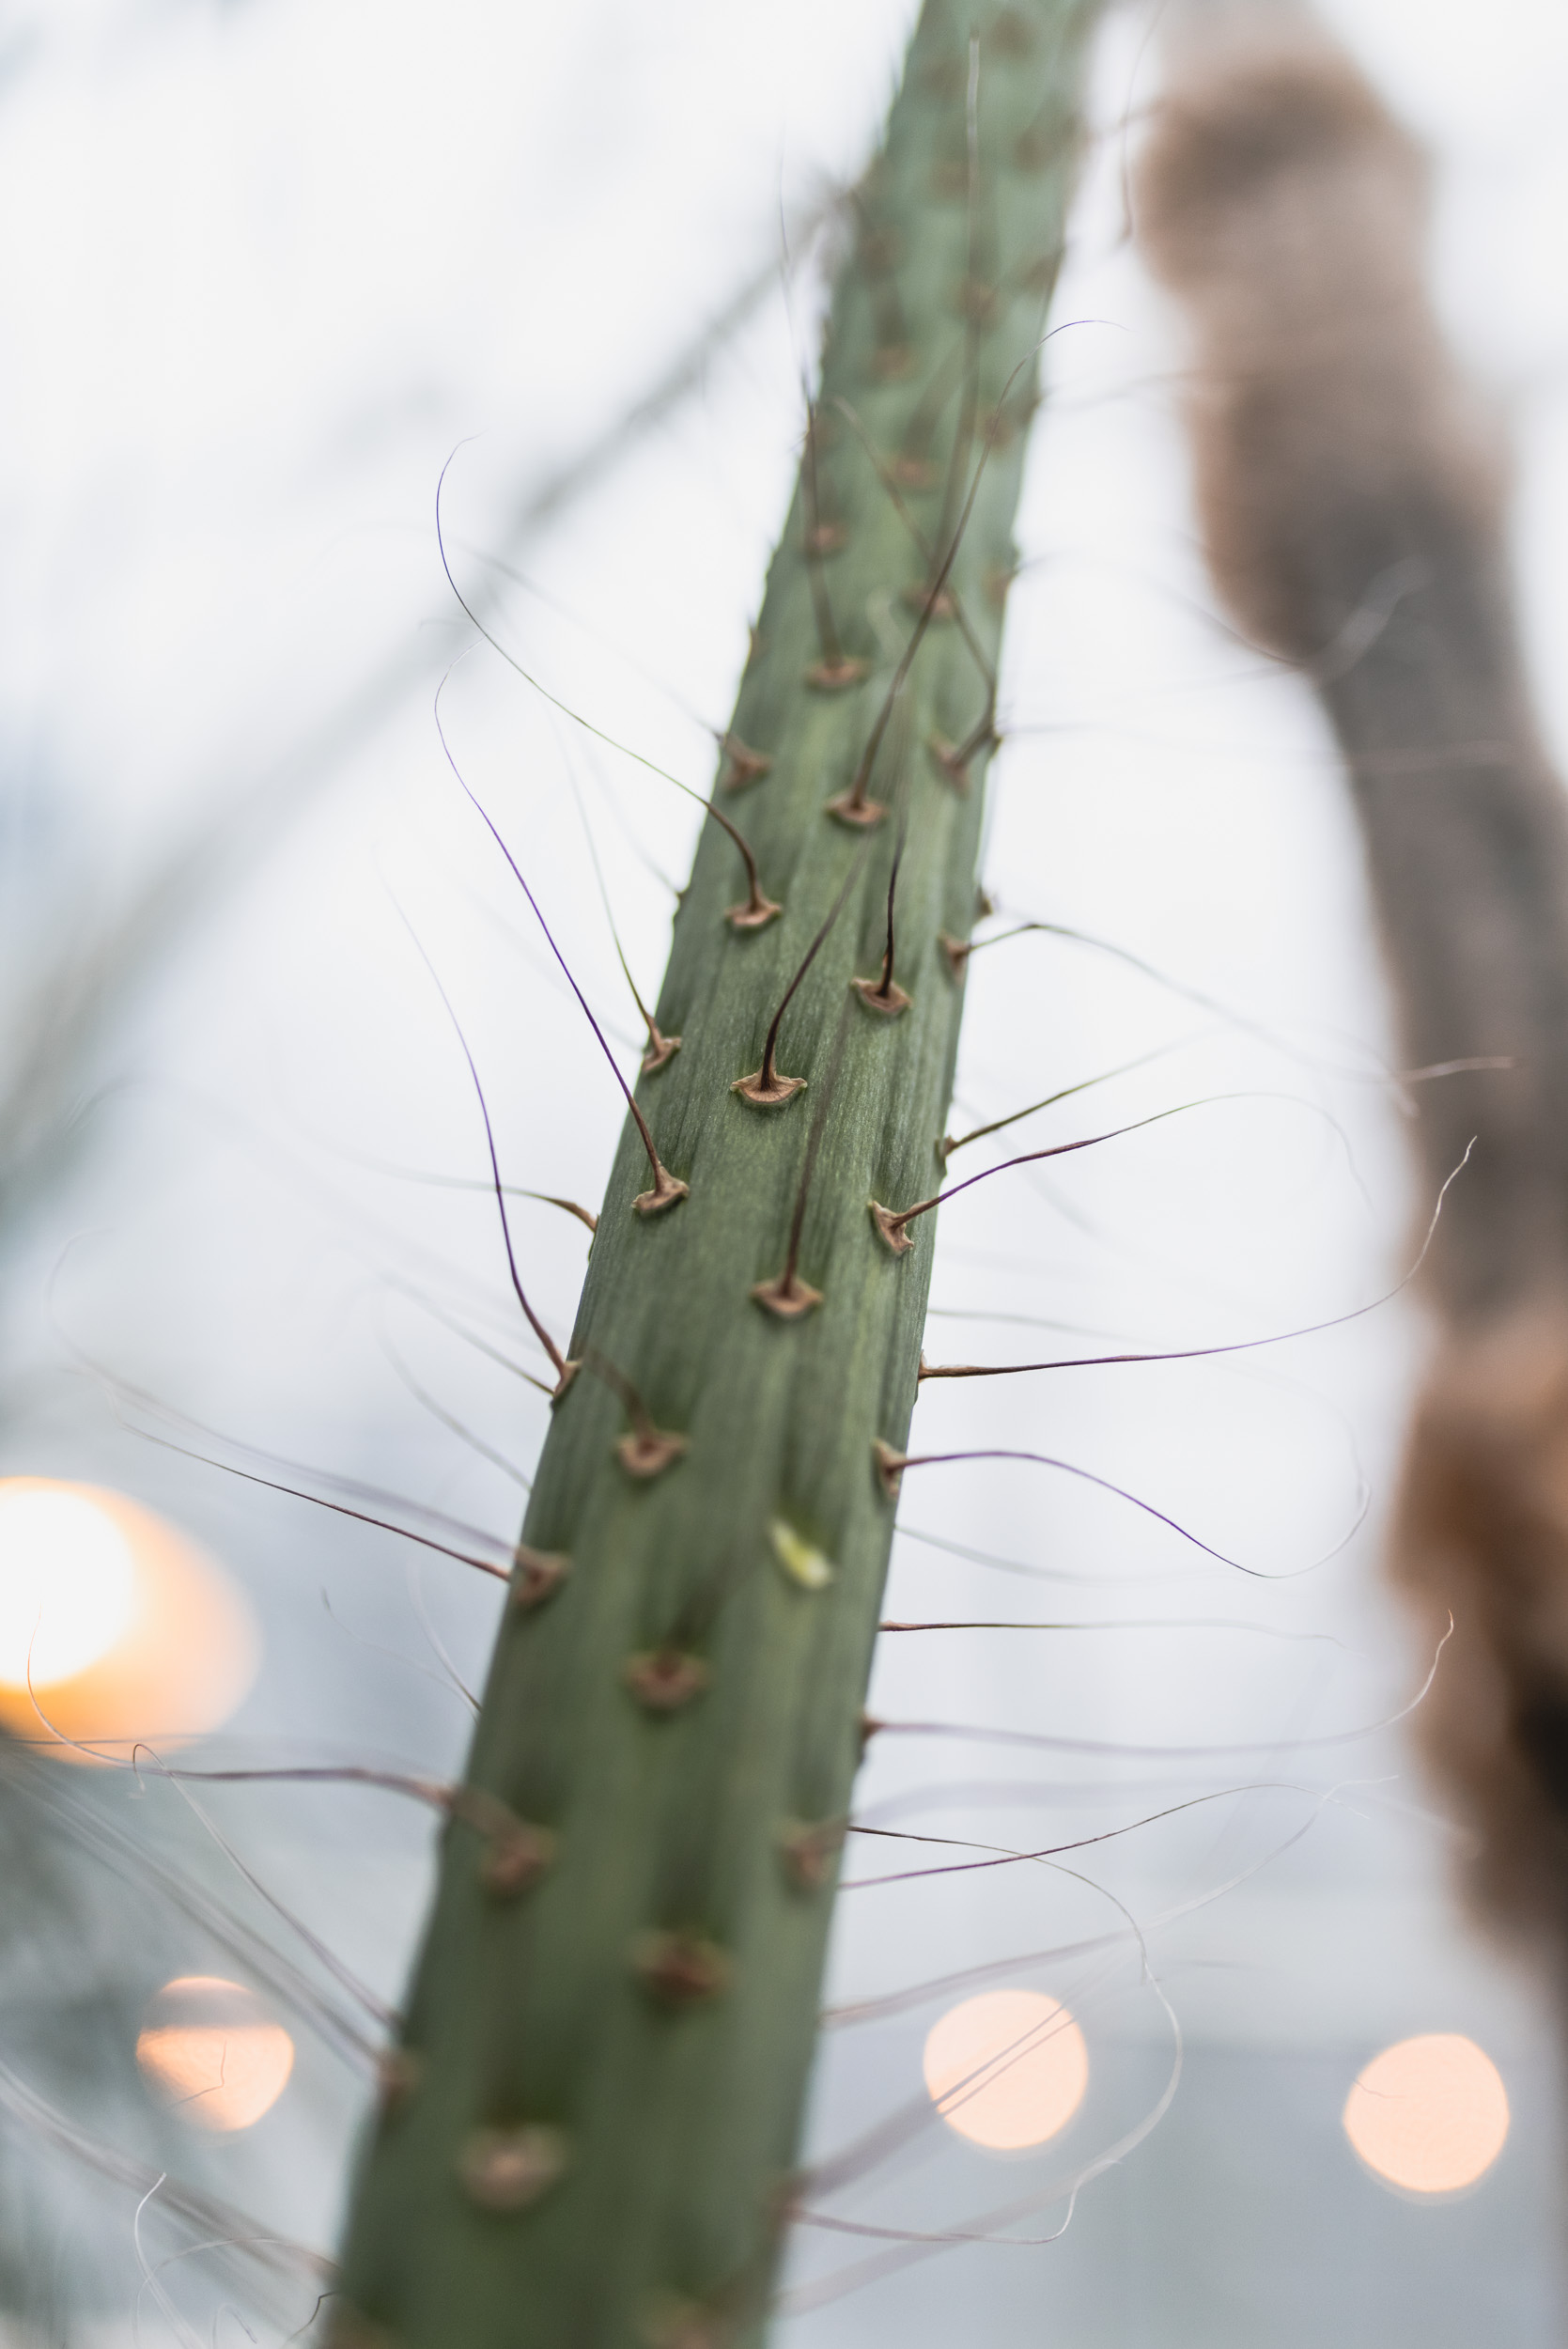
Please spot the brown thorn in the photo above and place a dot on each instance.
(755, 913)
(900, 1221)
(641, 1122)
(1057, 1150)
(769, 1095)
(853, 808)
(516, 1191)
(889, 1466)
(536, 1575)
(958, 951)
(647, 1452)
(891, 483)
(882, 995)
(890, 1228)
(743, 766)
(646, 1448)
(507, 2170)
(808, 1849)
(998, 424)
(983, 736)
(757, 909)
(932, 593)
(515, 1858)
(869, 1726)
(977, 301)
(1066, 1092)
(915, 594)
(885, 997)
(762, 1090)
(557, 1360)
(667, 1191)
(664, 1679)
(680, 1969)
(915, 474)
(662, 1050)
(949, 762)
(835, 675)
(891, 473)
(789, 1297)
(398, 2072)
(912, 466)
(478, 1808)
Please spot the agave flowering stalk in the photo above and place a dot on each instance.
(590, 2129)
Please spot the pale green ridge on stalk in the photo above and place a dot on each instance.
(589, 2133)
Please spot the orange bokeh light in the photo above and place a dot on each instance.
(211, 2051)
(113, 1625)
(1008, 2069)
(1428, 2115)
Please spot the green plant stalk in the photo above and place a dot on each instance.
(589, 2133)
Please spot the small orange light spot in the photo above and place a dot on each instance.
(1429, 2114)
(1008, 2069)
(113, 1625)
(68, 1582)
(211, 2051)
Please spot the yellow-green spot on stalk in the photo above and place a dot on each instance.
(605, 2075)
(801, 1559)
